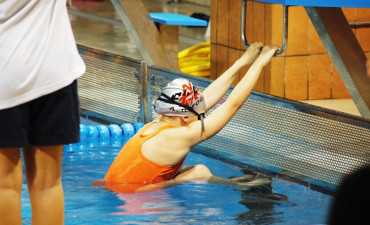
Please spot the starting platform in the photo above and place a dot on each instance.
(155, 34)
(177, 19)
(338, 38)
(321, 3)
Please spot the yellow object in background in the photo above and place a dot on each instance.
(189, 51)
(193, 60)
(197, 67)
(204, 73)
(196, 60)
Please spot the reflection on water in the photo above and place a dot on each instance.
(260, 202)
(189, 203)
(200, 202)
(148, 202)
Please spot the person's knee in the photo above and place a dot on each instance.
(43, 167)
(195, 172)
(13, 182)
(11, 175)
(202, 171)
(42, 180)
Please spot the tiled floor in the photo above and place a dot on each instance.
(342, 105)
(97, 25)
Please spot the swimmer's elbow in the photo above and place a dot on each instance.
(233, 107)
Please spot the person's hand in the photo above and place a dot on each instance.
(251, 54)
(266, 54)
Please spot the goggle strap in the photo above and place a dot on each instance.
(167, 99)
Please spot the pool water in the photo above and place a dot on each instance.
(281, 202)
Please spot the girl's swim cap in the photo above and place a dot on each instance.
(180, 98)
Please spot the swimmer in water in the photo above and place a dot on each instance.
(153, 158)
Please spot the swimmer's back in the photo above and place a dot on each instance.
(132, 166)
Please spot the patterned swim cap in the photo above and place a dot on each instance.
(180, 98)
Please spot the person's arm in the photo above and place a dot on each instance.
(223, 114)
(214, 92)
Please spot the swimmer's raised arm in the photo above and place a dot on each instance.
(223, 114)
(214, 92)
(167, 141)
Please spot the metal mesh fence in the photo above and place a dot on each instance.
(294, 141)
(267, 131)
(283, 134)
(110, 86)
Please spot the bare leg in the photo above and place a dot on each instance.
(256, 182)
(188, 173)
(11, 179)
(201, 172)
(43, 170)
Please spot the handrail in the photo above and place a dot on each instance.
(285, 27)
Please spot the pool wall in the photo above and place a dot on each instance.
(312, 144)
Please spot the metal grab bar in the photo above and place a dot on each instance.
(285, 27)
(360, 24)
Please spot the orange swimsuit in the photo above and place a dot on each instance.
(133, 168)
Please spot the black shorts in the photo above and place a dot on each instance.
(52, 119)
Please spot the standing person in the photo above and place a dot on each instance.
(39, 109)
(350, 204)
(153, 157)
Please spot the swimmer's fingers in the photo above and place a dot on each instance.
(251, 54)
(255, 48)
(268, 48)
(267, 53)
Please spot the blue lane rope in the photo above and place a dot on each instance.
(103, 135)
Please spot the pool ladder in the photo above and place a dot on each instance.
(285, 27)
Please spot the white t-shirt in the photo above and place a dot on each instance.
(38, 53)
